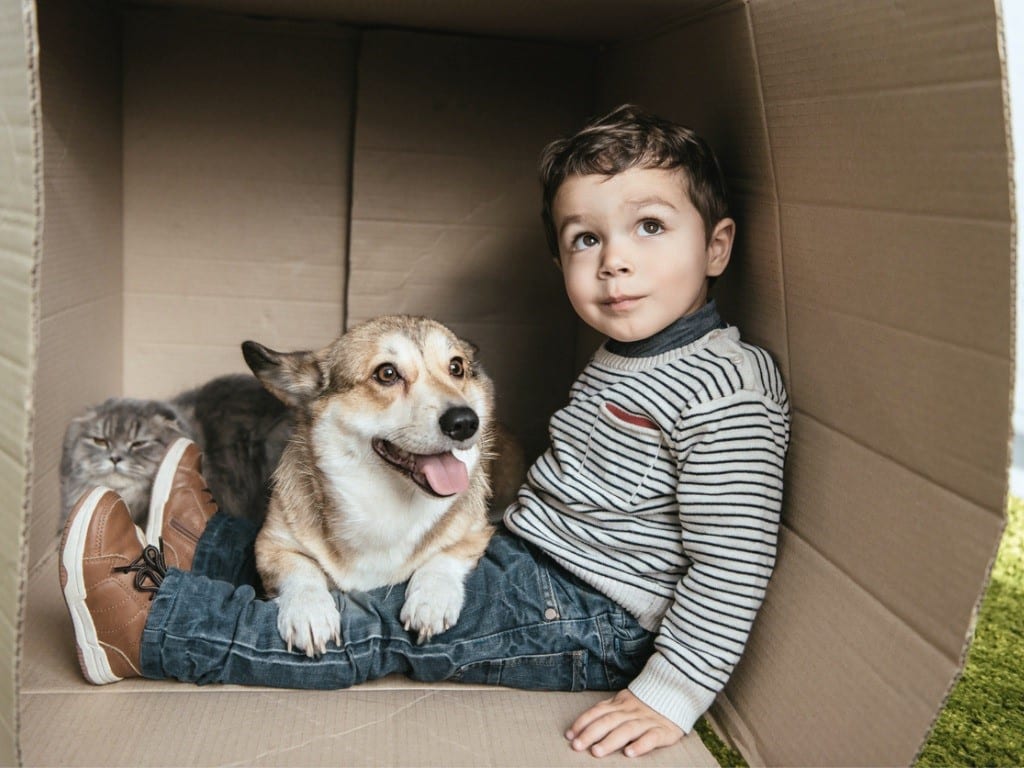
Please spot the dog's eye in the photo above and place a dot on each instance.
(457, 367)
(386, 374)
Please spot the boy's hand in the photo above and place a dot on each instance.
(622, 721)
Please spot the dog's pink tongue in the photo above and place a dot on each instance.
(444, 473)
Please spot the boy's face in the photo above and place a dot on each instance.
(633, 250)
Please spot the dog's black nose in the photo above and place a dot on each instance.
(459, 423)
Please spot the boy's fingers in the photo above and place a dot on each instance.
(610, 734)
(623, 734)
(586, 719)
(650, 740)
(621, 723)
(597, 729)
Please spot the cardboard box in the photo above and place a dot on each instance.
(181, 175)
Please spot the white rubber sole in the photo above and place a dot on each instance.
(91, 655)
(162, 489)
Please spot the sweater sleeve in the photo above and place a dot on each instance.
(730, 455)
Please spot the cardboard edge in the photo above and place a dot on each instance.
(1012, 190)
(350, 183)
(777, 199)
(33, 86)
(965, 650)
(725, 719)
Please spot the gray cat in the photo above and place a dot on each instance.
(239, 426)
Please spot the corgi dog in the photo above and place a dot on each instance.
(384, 480)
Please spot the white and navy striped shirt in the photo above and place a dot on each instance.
(662, 488)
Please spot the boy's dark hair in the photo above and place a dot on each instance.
(627, 137)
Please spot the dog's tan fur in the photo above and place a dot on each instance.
(340, 515)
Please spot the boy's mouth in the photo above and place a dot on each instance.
(621, 303)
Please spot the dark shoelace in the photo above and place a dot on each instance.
(149, 566)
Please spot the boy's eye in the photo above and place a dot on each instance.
(650, 227)
(583, 241)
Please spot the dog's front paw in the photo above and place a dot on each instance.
(433, 602)
(307, 618)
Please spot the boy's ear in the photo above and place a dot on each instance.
(720, 246)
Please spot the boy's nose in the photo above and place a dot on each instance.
(614, 263)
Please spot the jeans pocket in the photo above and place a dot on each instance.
(565, 671)
(636, 646)
(633, 646)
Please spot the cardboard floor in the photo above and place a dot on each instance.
(390, 722)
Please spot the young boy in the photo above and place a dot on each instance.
(639, 550)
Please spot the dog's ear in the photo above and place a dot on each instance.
(294, 378)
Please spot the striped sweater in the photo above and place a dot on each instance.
(663, 488)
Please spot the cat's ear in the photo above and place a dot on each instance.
(169, 417)
(294, 378)
(86, 417)
(78, 423)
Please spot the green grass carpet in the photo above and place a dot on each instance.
(723, 754)
(983, 721)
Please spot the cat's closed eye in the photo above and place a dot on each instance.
(140, 444)
(99, 441)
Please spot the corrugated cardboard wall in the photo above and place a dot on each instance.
(446, 212)
(236, 164)
(893, 179)
(19, 241)
(887, 259)
(81, 285)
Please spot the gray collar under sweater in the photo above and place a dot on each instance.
(683, 331)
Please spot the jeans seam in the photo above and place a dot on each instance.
(512, 630)
(606, 634)
(548, 591)
(162, 607)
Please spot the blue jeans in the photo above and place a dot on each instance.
(526, 623)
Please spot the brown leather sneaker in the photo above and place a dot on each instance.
(180, 505)
(108, 575)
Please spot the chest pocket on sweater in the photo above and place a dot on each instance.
(621, 453)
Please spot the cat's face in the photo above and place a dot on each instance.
(121, 442)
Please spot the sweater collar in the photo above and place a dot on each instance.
(683, 331)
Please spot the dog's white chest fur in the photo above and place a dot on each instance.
(379, 517)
